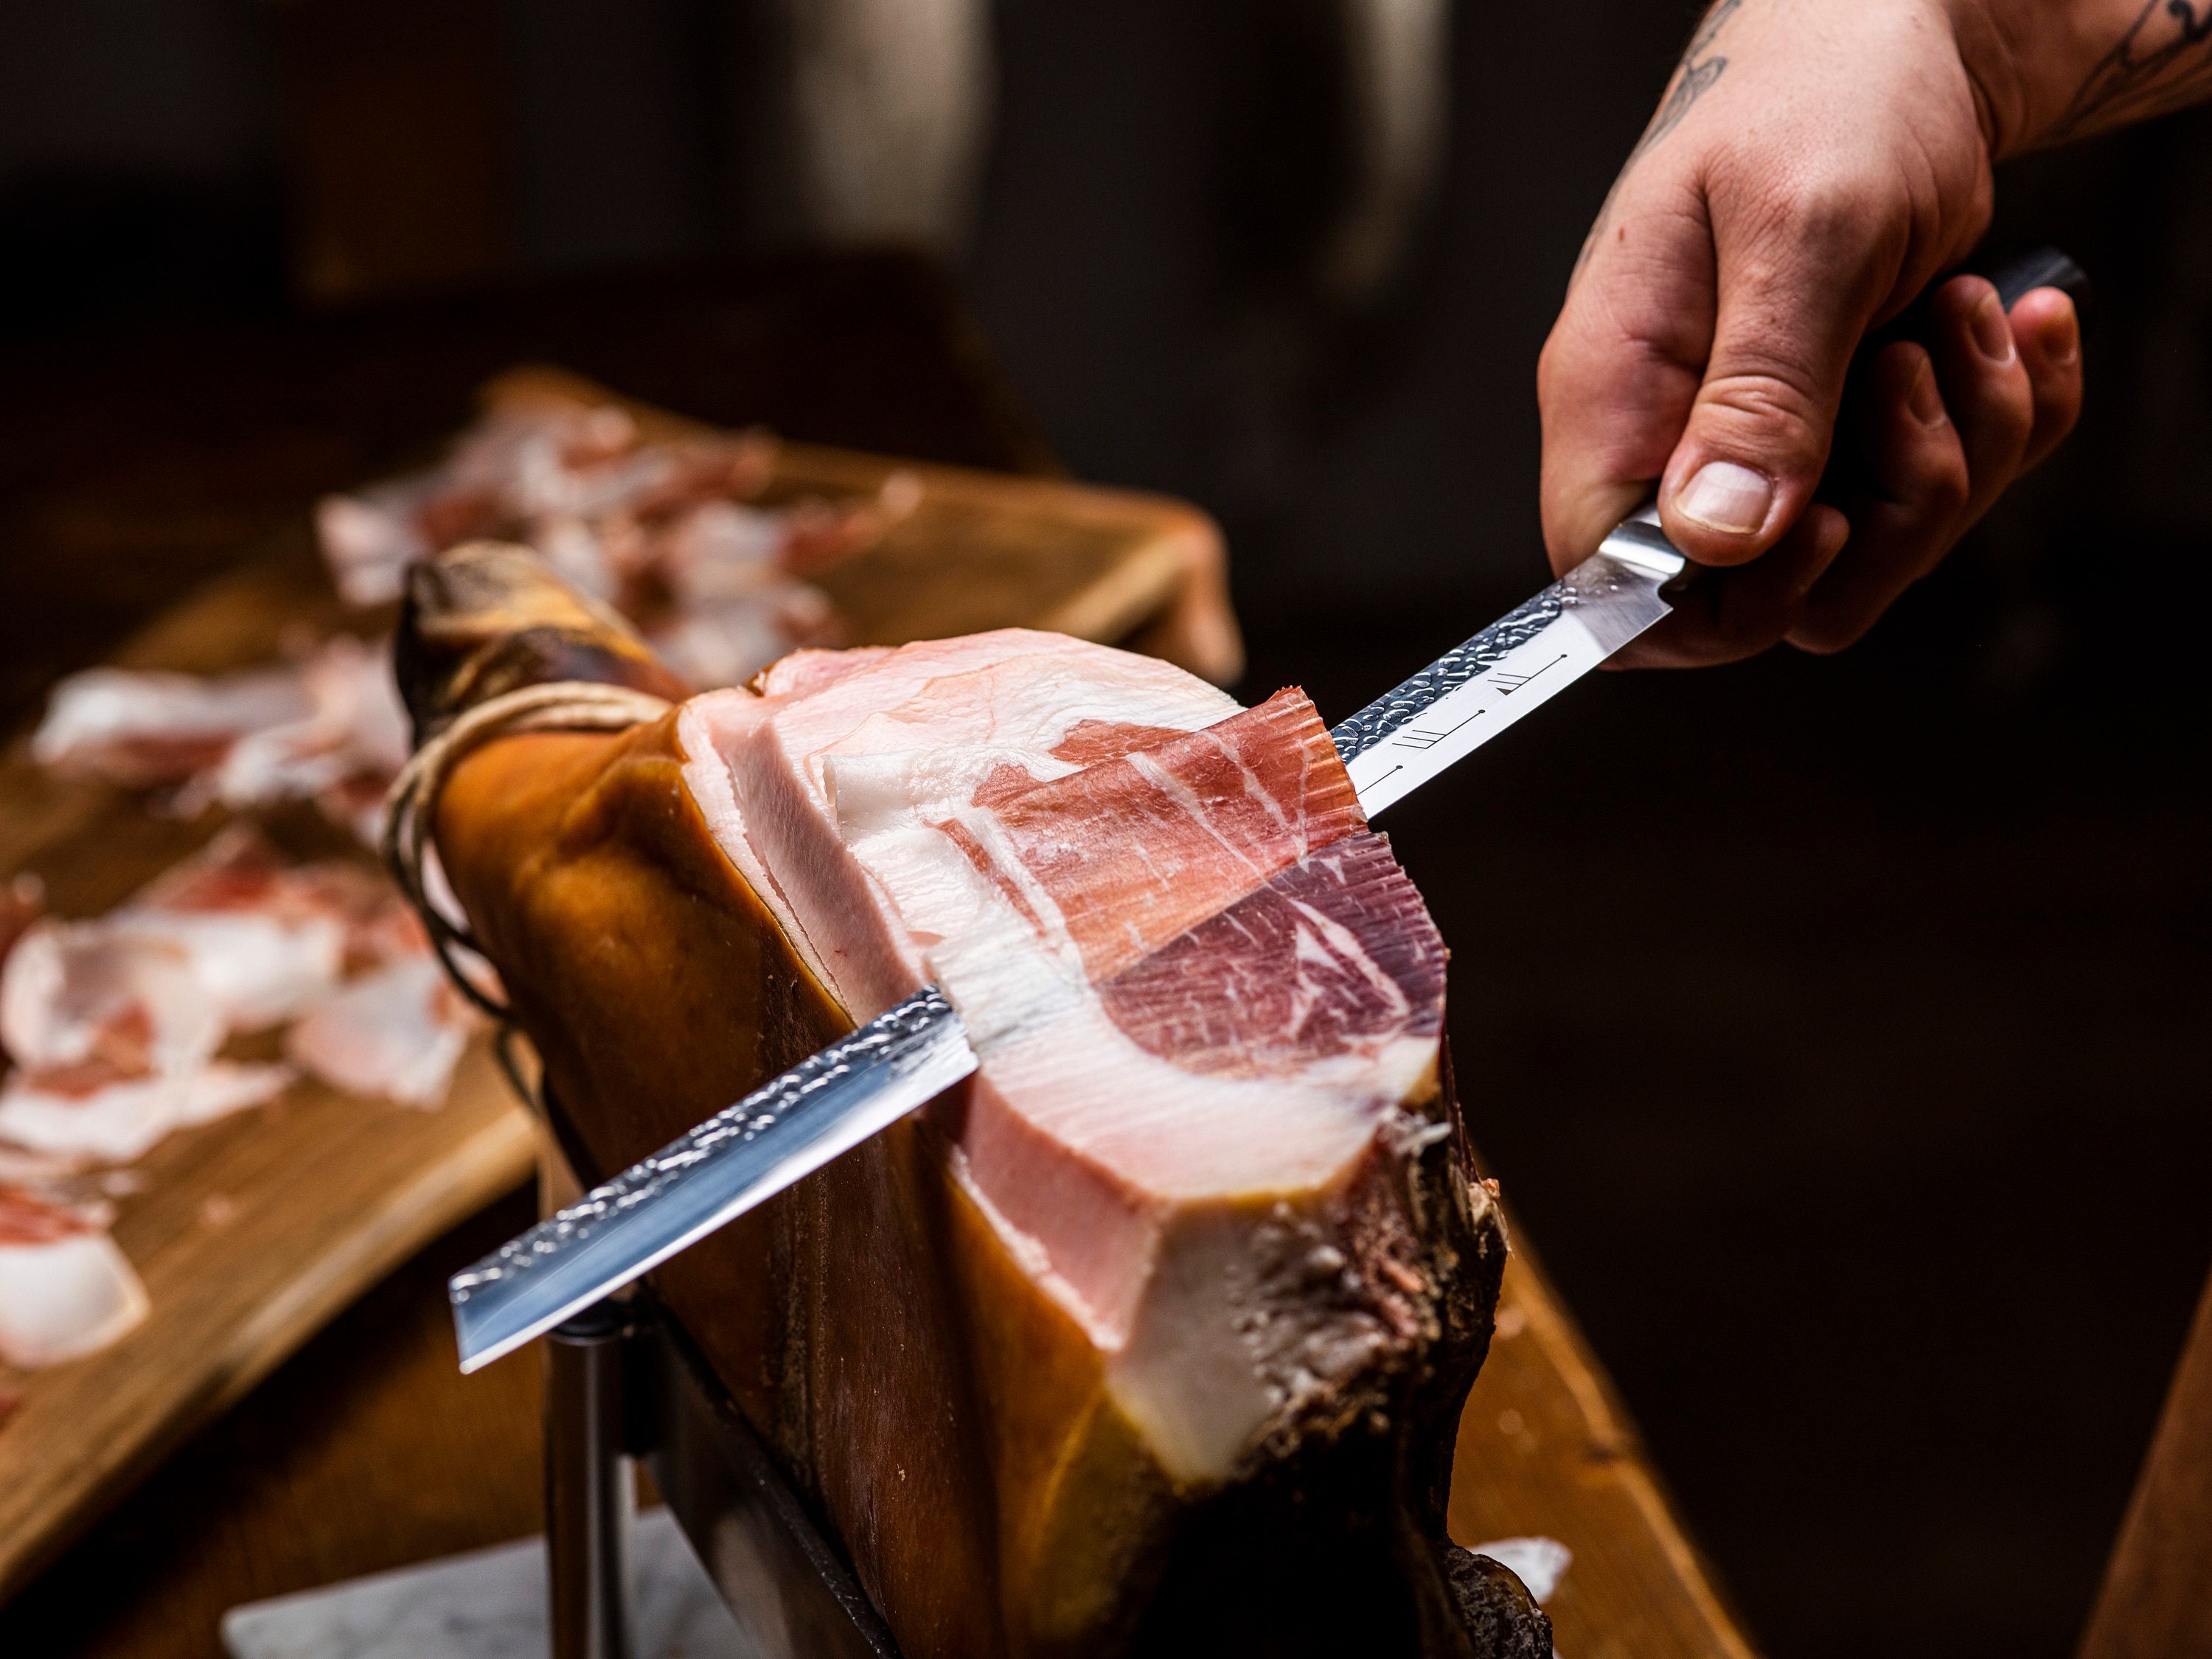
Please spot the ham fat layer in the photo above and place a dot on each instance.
(1202, 993)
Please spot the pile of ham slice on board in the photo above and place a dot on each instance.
(667, 532)
(1150, 1338)
(114, 1029)
(670, 533)
(326, 727)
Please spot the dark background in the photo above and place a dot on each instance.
(1837, 1027)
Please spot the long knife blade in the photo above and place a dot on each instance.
(710, 1177)
(906, 1056)
(1526, 658)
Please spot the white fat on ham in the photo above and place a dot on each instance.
(398, 1031)
(1199, 990)
(65, 1289)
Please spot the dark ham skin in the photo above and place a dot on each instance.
(940, 1412)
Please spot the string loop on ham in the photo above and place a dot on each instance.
(411, 808)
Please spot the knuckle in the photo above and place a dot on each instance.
(1938, 487)
(1826, 635)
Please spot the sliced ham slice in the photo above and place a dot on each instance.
(114, 1023)
(354, 728)
(398, 1031)
(117, 1118)
(660, 530)
(330, 727)
(141, 729)
(65, 1289)
(75, 993)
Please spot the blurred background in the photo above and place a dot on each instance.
(1836, 1027)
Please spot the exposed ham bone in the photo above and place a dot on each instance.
(65, 1288)
(1199, 990)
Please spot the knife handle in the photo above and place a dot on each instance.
(2012, 275)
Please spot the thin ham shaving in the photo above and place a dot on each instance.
(115, 1024)
(123, 1118)
(330, 727)
(398, 1031)
(65, 1289)
(144, 729)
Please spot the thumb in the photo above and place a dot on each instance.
(1787, 321)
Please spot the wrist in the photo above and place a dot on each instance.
(2000, 46)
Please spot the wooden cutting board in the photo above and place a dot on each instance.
(254, 1232)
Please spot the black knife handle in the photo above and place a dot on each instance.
(2012, 274)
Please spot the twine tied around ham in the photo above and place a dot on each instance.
(410, 807)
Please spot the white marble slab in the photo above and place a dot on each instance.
(489, 1604)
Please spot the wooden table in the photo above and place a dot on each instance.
(368, 1450)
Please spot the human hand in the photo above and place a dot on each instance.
(1811, 169)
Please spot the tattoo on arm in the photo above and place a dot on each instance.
(2162, 62)
(1694, 75)
(1693, 78)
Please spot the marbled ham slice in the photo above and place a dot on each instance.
(1332, 962)
(1134, 850)
(1199, 988)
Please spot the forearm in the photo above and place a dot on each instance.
(2045, 72)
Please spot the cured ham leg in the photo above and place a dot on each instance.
(1151, 1339)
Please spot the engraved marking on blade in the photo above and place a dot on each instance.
(1508, 683)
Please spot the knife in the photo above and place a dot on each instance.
(915, 1050)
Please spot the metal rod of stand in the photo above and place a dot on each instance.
(590, 1489)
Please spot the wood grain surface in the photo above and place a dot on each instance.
(1547, 1449)
(2156, 1602)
